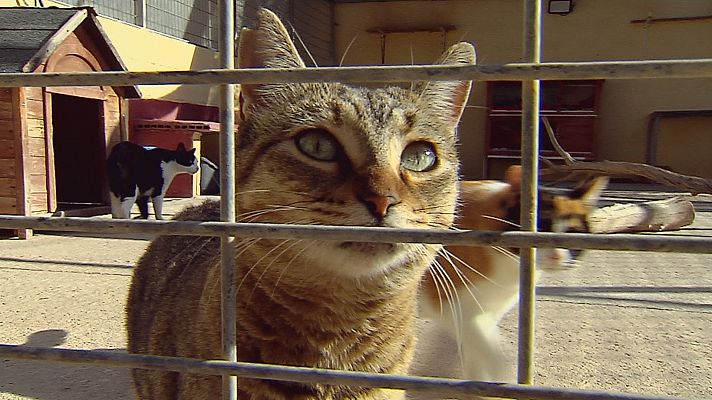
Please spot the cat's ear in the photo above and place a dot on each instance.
(590, 191)
(448, 98)
(180, 147)
(266, 46)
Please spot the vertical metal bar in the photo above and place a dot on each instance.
(227, 194)
(530, 166)
(140, 13)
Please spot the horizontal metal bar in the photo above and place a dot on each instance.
(442, 386)
(637, 242)
(514, 71)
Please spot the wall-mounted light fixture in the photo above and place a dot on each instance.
(561, 7)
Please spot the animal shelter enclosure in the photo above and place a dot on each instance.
(42, 130)
(530, 71)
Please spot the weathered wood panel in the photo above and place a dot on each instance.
(35, 128)
(8, 205)
(7, 131)
(38, 202)
(37, 165)
(5, 109)
(33, 93)
(7, 148)
(36, 146)
(8, 186)
(7, 168)
(38, 183)
(35, 109)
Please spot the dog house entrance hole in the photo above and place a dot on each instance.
(79, 151)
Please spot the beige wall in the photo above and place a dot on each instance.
(597, 30)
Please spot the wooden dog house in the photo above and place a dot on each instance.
(54, 140)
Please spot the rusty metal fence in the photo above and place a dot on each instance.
(529, 72)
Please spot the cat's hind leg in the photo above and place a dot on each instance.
(158, 206)
(142, 203)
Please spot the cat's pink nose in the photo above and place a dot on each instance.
(378, 205)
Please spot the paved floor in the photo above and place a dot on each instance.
(624, 321)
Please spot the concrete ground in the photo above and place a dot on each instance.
(624, 321)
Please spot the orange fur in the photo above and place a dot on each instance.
(470, 288)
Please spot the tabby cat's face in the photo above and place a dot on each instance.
(336, 155)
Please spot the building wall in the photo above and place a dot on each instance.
(597, 30)
(8, 170)
(142, 49)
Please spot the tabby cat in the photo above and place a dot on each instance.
(309, 154)
(470, 289)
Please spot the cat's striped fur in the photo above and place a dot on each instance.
(309, 154)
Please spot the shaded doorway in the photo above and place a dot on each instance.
(79, 151)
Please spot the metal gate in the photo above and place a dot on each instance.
(529, 72)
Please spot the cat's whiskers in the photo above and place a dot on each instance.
(467, 282)
(514, 224)
(197, 251)
(299, 253)
(471, 268)
(453, 300)
(351, 43)
(506, 252)
(254, 266)
(274, 259)
(242, 281)
(262, 191)
(253, 215)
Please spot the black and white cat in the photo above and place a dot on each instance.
(136, 173)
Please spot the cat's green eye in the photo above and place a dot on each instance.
(318, 144)
(419, 157)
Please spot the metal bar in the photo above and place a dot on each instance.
(140, 13)
(442, 386)
(228, 295)
(530, 167)
(545, 71)
(629, 242)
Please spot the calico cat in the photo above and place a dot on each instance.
(136, 173)
(470, 289)
(321, 153)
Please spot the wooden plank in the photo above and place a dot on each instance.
(8, 205)
(6, 107)
(38, 202)
(37, 165)
(35, 128)
(36, 147)
(7, 131)
(7, 149)
(33, 93)
(7, 168)
(49, 161)
(38, 183)
(35, 109)
(8, 186)
(20, 127)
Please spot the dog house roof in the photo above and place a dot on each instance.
(29, 35)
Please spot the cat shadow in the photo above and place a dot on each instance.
(61, 381)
